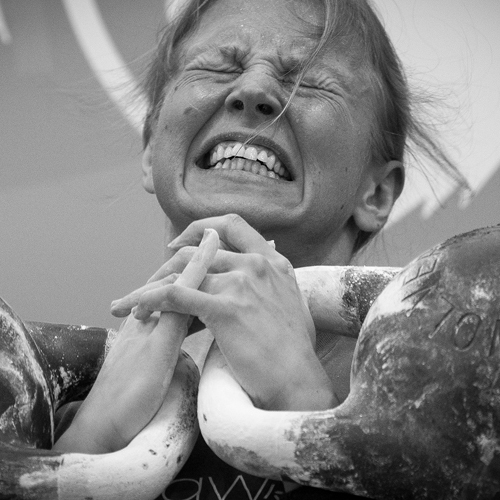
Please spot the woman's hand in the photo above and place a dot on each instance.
(252, 305)
(134, 379)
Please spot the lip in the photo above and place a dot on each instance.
(257, 140)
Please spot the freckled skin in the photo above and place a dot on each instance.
(310, 217)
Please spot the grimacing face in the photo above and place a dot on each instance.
(299, 180)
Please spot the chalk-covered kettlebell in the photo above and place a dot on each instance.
(422, 419)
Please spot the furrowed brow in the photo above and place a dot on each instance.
(230, 45)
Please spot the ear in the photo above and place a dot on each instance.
(378, 193)
(147, 170)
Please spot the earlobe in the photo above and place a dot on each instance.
(379, 192)
(147, 171)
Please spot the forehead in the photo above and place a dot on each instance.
(286, 30)
(286, 25)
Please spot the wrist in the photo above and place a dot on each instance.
(311, 390)
(84, 435)
(74, 440)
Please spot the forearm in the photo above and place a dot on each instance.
(92, 429)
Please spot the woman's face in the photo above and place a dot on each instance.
(299, 179)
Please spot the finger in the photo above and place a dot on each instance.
(196, 269)
(175, 264)
(166, 275)
(225, 264)
(122, 307)
(252, 263)
(234, 231)
(141, 303)
(156, 299)
(193, 275)
(189, 301)
(164, 298)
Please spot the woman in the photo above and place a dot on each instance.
(283, 121)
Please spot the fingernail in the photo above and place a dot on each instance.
(206, 233)
(208, 247)
(117, 304)
(181, 241)
(117, 310)
(176, 243)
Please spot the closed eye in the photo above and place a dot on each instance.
(216, 59)
(305, 87)
(309, 83)
(213, 67)
(323, 85)
(217, 74)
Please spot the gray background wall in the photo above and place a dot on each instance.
(76, 228)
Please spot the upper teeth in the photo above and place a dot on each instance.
(265, 156)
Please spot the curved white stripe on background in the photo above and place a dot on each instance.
(5, 36)
(105, 60)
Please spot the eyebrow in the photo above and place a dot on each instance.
(230, 42)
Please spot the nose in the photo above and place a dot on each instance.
(255, 96)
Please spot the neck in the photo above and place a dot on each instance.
(170, 233)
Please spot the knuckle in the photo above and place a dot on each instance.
(143, 302)
(234, 219)
(240, 281)
(169, 293)
(169, 296)
(259, 264)
(283, 264)
(168, 280)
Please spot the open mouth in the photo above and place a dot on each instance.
(252, 158)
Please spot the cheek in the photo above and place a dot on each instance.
(324, 134)
(185, 110)
(167, 170)
(334, 159)
(177, 115)
(335, 193)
